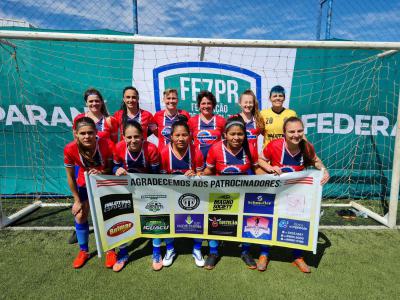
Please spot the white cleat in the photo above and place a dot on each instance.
(198, 258)
(169, 258)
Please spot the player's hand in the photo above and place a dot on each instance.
(120, 172)
(325, 177)
(274, 170)
(76, 208)
(190, 173)
(94, 172)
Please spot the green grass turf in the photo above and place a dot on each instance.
(355, 264)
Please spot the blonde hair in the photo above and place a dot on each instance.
(169, 91)
(255, 111)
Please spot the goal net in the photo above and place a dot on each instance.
(347, 98)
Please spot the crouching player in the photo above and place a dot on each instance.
(93, 155)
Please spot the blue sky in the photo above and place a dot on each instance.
(363, 20)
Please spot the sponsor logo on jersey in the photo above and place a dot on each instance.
(115, 205)
(204, 137)
(257, 227)
(119, 228)
(225, 225)
(250, 136)
(166, 132)
(159, 224)
(226, 82)
(189, 201)
(231, 170)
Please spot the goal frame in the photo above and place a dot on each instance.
(389, 48)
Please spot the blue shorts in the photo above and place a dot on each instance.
(82, 191)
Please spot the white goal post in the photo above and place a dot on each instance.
(388, 48)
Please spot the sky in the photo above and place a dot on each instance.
(360, 20)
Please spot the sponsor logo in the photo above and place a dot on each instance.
(250, 136)
(189, 201)
(115, 205)
(257, 227)
(225, 225)
(231, 170)
(293, 231)
(154, 205)
(224, 202)
(119, 228)
(204, 136)
(226, 82)
(158, 224)
(166, 132)
(259, 203)
(189, 223)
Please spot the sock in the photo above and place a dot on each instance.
(82, 235)
(245, 248)
(123, 252)
(213, 247)
(197, 244)
(169, 243)
(264, 250)
(156, 247)
(297, 253)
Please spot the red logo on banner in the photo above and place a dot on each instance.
(119, 228)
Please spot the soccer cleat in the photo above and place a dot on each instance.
(81, 259)
(211, 261)
(111, 259)
(157, 262)
(169, 258)
(72, 239)
(301, 264)
(120, 264)
(262, 263)
(248, 260)
(198, 258)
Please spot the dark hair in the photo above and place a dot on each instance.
(238, 121)
(92, 91)
(132, 123)
(255, 111)
(277, 89)
(84, 121)
(210, 96)
(123, 105)
(304, 145)
(182, 121)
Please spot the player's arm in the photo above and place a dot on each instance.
(320, 166)
(264, 162)
(77, 206)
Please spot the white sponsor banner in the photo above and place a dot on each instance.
(262, 209)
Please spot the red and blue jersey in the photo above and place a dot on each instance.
(107, 127)
(143, 117)
(164, 123)
(144, 161)
(101, 158)
(277, 154)
(227, 163)
(252, 132)
(173, 164)
(206, 133)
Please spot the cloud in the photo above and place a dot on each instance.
(256, 31)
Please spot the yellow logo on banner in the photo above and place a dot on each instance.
(224, 202)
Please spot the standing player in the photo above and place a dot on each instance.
(164, 119)
(275, 116)
(206, 128)
(231, 156)
(130, 111)
(179, 157)
(133, 155)
(292, 153)
(251, 116)
(106, 125)
(93, 155)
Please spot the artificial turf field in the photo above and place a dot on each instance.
(356, 264)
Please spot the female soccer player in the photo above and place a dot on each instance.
(130, 111)
(276, 115)
(107, 126)
(206, 127)
(164, 119)
(179, 157)
(251, 116)
(93, 155)
(292, 153)
(133, 155)
(231, 156)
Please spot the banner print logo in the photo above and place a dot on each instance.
(158, 224)
(259, 203)
(115, 205)
(226, 82)
(189, 223)
(227, 202)
(293, 231)
(225, 225)
(119, 228)
(189, 201)
(154, 204)
(257, 227)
